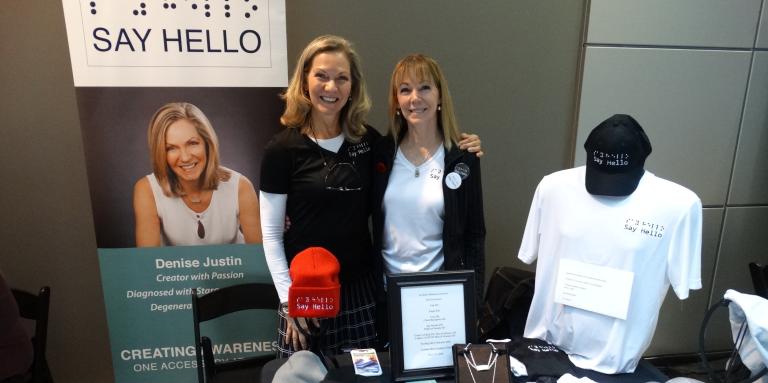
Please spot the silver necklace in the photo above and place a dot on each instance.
(314, 137)
(192, 199)
(492, 357)
(416, 172)
(198, 216)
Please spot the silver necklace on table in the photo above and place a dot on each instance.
(492, 357)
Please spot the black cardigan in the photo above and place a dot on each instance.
(464, 223)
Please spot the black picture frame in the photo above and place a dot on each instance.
(432, 282)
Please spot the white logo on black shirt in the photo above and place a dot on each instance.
(538, 348)
(358, 149)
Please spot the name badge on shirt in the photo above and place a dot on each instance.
(600, 289)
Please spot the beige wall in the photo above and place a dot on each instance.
(512, 67)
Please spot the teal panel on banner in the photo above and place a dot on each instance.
(147, 293)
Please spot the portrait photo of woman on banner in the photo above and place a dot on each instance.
(190, 198)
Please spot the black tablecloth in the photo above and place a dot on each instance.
(645, 372)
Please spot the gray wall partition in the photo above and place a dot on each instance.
(695, 75)
(512, 67)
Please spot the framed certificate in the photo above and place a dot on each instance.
(428, 314)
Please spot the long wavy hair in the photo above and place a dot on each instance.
(298, 106)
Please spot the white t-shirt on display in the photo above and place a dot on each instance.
(654, 233)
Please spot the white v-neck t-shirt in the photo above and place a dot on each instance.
(414, 210)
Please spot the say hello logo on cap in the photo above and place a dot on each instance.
(610, 159)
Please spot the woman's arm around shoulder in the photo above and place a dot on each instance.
(471, 143)
(248, 207)
(145, 215)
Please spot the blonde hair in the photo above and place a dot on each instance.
(421, 68)
(297, 103)
(158, 127)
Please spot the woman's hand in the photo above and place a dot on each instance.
(294, 336)
(471, 143)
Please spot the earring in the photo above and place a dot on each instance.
(439, 107)
(397, 112)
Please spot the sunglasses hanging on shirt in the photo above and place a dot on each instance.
(341, 176)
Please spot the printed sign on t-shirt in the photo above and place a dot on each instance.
(599, 289)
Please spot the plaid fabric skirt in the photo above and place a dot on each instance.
(354, 327)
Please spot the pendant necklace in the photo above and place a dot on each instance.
(200, 227)
(481, 367)
(198, 216)
(192, 199)
(317, 142)
(430, 154)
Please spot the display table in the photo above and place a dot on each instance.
(645, 372)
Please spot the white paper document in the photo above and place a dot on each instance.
(600, 289)
(433, 321)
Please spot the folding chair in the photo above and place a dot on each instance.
(223, 301)
(35, 307)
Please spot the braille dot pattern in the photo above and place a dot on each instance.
(210, 8)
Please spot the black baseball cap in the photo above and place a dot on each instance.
(616, 153)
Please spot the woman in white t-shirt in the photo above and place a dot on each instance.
(190, 199)
(427, 193)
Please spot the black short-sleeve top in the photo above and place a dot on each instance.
(328, 196)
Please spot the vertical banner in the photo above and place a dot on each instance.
(177, 99)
